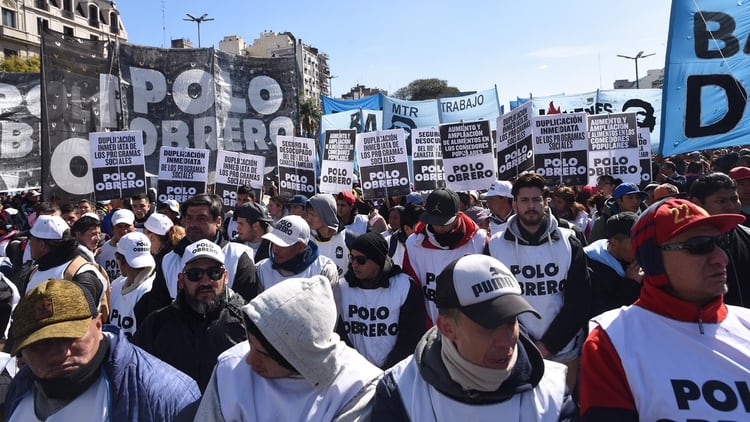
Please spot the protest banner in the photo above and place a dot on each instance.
(235, 169)
(117, 164)
(482, 105)
(468, 157)
(383, 166)
(296, 162)
(427, 159)
(515, 153)
(644, 152)
(561, 148)
(613, 147)
(183, 172)
(706, 77)
(20, 131)
(337, 169)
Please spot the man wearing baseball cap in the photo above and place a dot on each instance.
(627, 197)
(129, 291)
(679, 352)
(500, 202)
(202, 322)
(294, 254)
(252, 221)
(123, 222)
(442, 235)
(346, 210)
(76, 369)
(476, 363)
(53, 249)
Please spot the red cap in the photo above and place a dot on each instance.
(740, 173)
(346, 196)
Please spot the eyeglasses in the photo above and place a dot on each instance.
(359, 259)
(196, 274)
(699, 245)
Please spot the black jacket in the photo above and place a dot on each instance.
(738, 268)
(190, 341)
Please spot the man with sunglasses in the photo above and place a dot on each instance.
(679, 352)
(202, 322)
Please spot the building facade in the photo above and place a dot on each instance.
(315, 75)
(654, 79)
(23, 20)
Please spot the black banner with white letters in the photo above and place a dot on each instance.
(20, 117)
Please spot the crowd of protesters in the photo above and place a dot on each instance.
(516, 297)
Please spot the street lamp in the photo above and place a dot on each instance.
(640, 55)
(203, 18)
(330, 84)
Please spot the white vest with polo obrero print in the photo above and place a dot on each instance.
(683, 370)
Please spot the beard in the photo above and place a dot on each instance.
(206, 305)
(531, 218)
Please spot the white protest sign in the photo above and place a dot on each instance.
(296, 160)
(337, 167)
(183, 172)
(561, 148)
(235, 169)
(613, 147)
(383, 166)
(468, 157)
(117, 164)
(515, 153)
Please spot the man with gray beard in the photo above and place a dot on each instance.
(202, 322)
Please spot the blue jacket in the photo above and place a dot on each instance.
(142, 388)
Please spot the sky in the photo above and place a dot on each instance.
(522, 47)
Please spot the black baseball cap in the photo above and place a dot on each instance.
(440, 207)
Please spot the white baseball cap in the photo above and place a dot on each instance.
(123, 216)
(136, 248)
(202, 249)
(499, 188)
(288, 231)
(483, 289)
(50, 227)
(158, 224)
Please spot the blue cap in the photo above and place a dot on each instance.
(414, 198)
(628, 188)
(298, 199)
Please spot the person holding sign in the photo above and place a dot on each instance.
(551, 267)
(442, 235)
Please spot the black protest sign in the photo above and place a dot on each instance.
(468, 157)
(235, 169)
(561, 148)
(117, 164)
(337, 168)
(20, 114)
(296, 163)
(427, 159)
(613, 147)
(70, 111)
(515, 153)
(644, 154)
(383, 166)
(183, 172)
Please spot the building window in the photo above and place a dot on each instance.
(42, 24)
(114, 26)
(9, 18)
(67, 10)
(94, 37)
(68, 30)
(10, 53)
(93, 16)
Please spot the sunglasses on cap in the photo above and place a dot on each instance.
(699, 245)
(196, 274)
(359, 259)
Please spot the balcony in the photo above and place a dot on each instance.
(67, 14)
(13, 33)
(94, 23)
(41, 4)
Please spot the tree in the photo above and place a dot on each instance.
(425, 89)
(30, 64)
(309, 114)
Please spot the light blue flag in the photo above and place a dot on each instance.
(482, 105)
(706, 78)
(334, 105)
